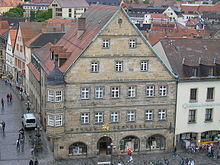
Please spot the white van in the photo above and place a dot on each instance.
(29, 120)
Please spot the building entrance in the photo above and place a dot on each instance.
(104, 145)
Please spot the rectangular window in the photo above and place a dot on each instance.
(55, 120)
(114, 117)
(162, 114)
(163, 91)
(85, 118)
(131, 91)
(150, 91)
(58, 96)
(54, 96)
(99, 92)
(115, 92)
(94, 67)
(192, 115)
(20, 48)
(99, 117)
(105, 43)
(118, 66)
(210, 93)
(132, 43)
(149, 115)
(208, 114)
(144, 66)
(131, 116)
(193, 94)
(84, 93)
(211, 71)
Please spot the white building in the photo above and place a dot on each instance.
(197, 62)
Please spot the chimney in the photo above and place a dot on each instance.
(81, 26)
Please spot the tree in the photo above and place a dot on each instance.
(215, 1)
(42, 16)
(14, 12)
(146, 1)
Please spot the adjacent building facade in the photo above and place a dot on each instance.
(68, 9)
(197, 64)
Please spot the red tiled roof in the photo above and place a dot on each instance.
(158, 15)
(13, 36)
(2, 31)
(192, 22)
(66, 21)
(200, 7)
(10, 3)
(4, 25)
(34, 71)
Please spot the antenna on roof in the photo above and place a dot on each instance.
(199, 60)
(183, 61)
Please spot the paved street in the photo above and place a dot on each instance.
(11, 114)
(9, 155)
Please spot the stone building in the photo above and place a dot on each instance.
(104, 90)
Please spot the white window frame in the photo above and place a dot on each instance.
(131, 116)
(163, 90)
(99, 92)
(85, 118)
(162, 114)
(132, 91)
(84, 93)
(55, 120)
(99, 117)
(114, 117)
(115, 92)
(94, 66)
(144, 65)
(132, 43)
(149, 115)
(150, 91)
(119, 66)
(55, 95)
(105, 43)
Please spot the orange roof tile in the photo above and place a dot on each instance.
(158, 15)
(66, 21)
(4, 25)
(13, 34)
(10, 3)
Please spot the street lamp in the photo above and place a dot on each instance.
(28, 104)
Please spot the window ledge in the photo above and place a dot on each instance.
(209, 100)
(208, 121)
(193, 101)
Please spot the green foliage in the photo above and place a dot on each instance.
(14, 12)
(42, 16)
(136, 1)
(146, 1)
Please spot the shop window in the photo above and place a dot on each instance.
(130, 142)
(78, 148)
(156, 142)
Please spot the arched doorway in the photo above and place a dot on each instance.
(78, 148)
(156, 142)
(104, 145)
(130, 142)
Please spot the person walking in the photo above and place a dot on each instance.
(36, 162)
(31, 162)
(130, 156)
(2, 101)
(18, 144)
(10, 97)
(3, 126)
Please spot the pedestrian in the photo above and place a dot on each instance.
(32, 150)
(174, 152)
(130, 156)
(10, 97)
(31, 162)
(119, 163)
(3, 126)
(2, 101)
(18, 144)
(21, 133)
(36, 162)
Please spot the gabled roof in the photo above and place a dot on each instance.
(191, 52)
(13, 34)
(73, 3)
(96, 17)
(10, 3)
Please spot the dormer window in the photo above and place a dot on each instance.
(211, 71)
(194, 72)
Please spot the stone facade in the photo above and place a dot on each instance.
(138, 133)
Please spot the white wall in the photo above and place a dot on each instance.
(183, 106)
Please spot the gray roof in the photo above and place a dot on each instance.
(73, 3)
(191, 52)
(45, 38)
(105, 2)
(55, 77)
